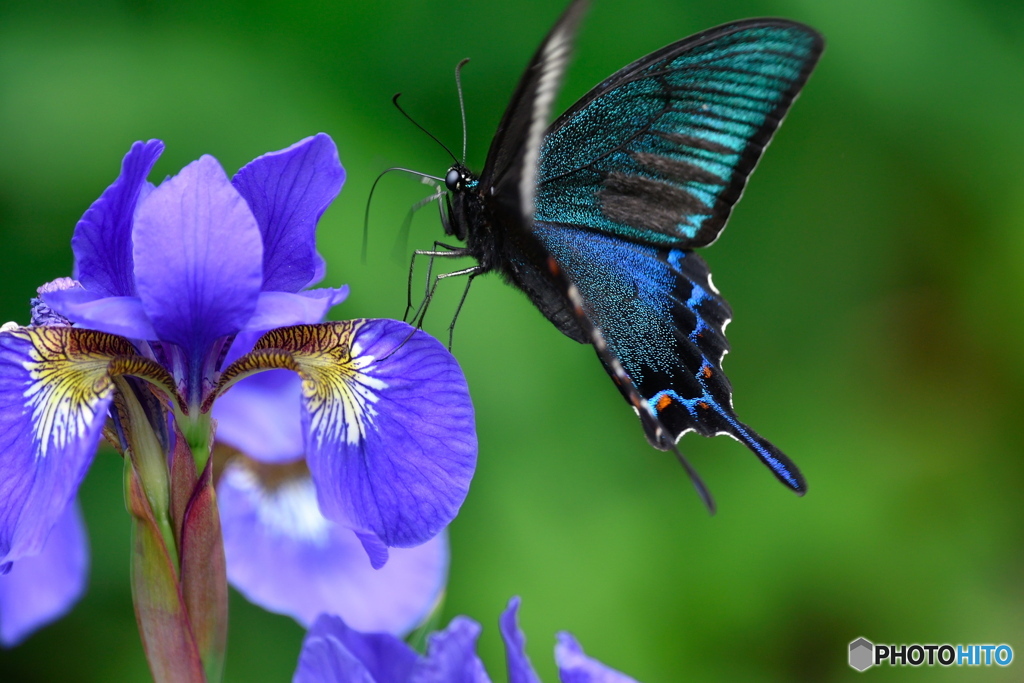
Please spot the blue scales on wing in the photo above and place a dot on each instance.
(660, 151)
(664, 322)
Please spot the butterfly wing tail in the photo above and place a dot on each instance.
(781, 466)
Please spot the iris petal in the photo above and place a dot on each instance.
(390, 436)
(288, 191)
(279, 309)
(334, 653)
(260, 417)
(286, 557)
(392, 441)
(41, 588)
(576, 667)
(451, 656)
(121, 315)
(55, 390)
(198, 257)
(103, 237)
(520, 670)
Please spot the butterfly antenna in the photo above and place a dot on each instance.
(366, 215)
(462, 103)
(394, 100)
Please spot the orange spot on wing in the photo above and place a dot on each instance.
(663, 402)
(703, 405)
(706, 372)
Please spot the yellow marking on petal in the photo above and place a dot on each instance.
(69, 373)
(338, 388)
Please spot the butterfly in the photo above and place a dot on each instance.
(595, 216)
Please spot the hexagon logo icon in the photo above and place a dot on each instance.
(862, 654)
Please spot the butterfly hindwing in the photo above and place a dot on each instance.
(660, 151)
(662, 321)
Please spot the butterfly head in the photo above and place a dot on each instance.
(459, 179)
(460, 183)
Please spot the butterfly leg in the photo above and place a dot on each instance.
(472, 273)
(436, 252)
(421, 312)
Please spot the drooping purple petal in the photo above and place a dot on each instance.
(42, 588)
(102, 242)
(520, 670)
(334, 653)
(198, 258)
(576, 667)
(260, 416)
(286, 557)
(391, 436)
(121, 315)
(54, 397)
(288, 191)
(451, 656)
(279, 309)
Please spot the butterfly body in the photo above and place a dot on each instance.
(596, 216)
(495, 239)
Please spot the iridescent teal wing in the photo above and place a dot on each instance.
(660, 152)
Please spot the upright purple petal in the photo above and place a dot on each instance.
(42, 588)
(334, 653)
(576, 667)
(285, 556)
(54, 397)
(198, 257)
(451, 656)
(103, 237)
(288, 191)
(393, 448)
(520, 670)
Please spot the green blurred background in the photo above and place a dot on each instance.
(875, 267)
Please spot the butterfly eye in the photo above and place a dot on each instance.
(453, 180)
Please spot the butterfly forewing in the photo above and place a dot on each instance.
(512, 161)
(660, 152)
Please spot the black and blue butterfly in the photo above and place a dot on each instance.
(596, 216)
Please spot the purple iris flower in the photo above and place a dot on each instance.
(282, 553)
(180, 292)
(335, 653)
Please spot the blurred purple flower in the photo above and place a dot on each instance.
(182, 290)
(335, 653)
(41, 588)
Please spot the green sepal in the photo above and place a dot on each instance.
(204, 580)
